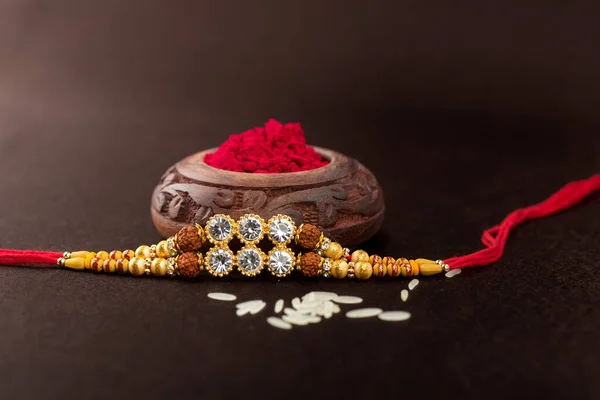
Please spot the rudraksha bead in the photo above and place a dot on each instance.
(188, 265)
(309, 264)
(308, 236)
(189, 238)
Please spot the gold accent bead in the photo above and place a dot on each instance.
(66, 255)
(137, 266)
(360, 255)
(335, 251)
(363, 270)
(143, 251)
(61, 262)
(162, 250)
(339, 269)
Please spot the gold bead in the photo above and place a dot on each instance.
(335, 251)
(339, 269)
(102, 255)
(143, 251)
(137, 266)
(61, 262)
(66, 255)
(360, 255)
(162, 249)
(363, 270)
(158, 267)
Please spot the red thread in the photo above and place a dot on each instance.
(29, 257)
(276, 148)
(495, 238)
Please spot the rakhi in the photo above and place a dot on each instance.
(316, 256)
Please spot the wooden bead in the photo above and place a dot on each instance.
(379, 270)
(143, 251)
(415, 267)
(393, 270)
(374, 259)
(122, 265)
(190, 238)
(109, 265)
(159, 267)
(128, 254)
(80, 254)
(137, 266)
(88, 260)
(102, 255)
(388, 260)
(335, 251)
(308, 236)
(430, 269)
(188, 265)
(97, 264)
(339, 269)
(360, 255)
(116, 254)
(162, 249)
(363, 270)
(75, 263)
(309, 264)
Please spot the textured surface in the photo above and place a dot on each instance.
(463, 114)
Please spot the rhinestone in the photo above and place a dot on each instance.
(325, 244)
(219, 228)
(280, 262)
(281, 230)
(170, 271)
(220, 261)
(325, 274)
(327, 265)
(249, 260)
(250, 228)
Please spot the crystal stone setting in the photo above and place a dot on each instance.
(250, 261)
(281, 230)
(280, 262)
(220, 228)
(220, 261)
(251, 229)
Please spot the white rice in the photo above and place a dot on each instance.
(453, 272)
(347, 300)
(221, 296)
(249, 304)
(394, 316)
(258, 308)
(404, 294)
(278, 306)
(296, 303)
(295, 320)
(242, 311)
(319, 296)
(364, 312)
(278, 323)
(413, 284)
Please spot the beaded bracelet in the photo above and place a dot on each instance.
(318, 256)
(180, 255)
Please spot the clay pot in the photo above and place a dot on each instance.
(343, 198)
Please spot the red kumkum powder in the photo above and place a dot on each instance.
(276, 148)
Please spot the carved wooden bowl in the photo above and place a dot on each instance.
(343, 198)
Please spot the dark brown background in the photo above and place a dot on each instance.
(463, 110)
